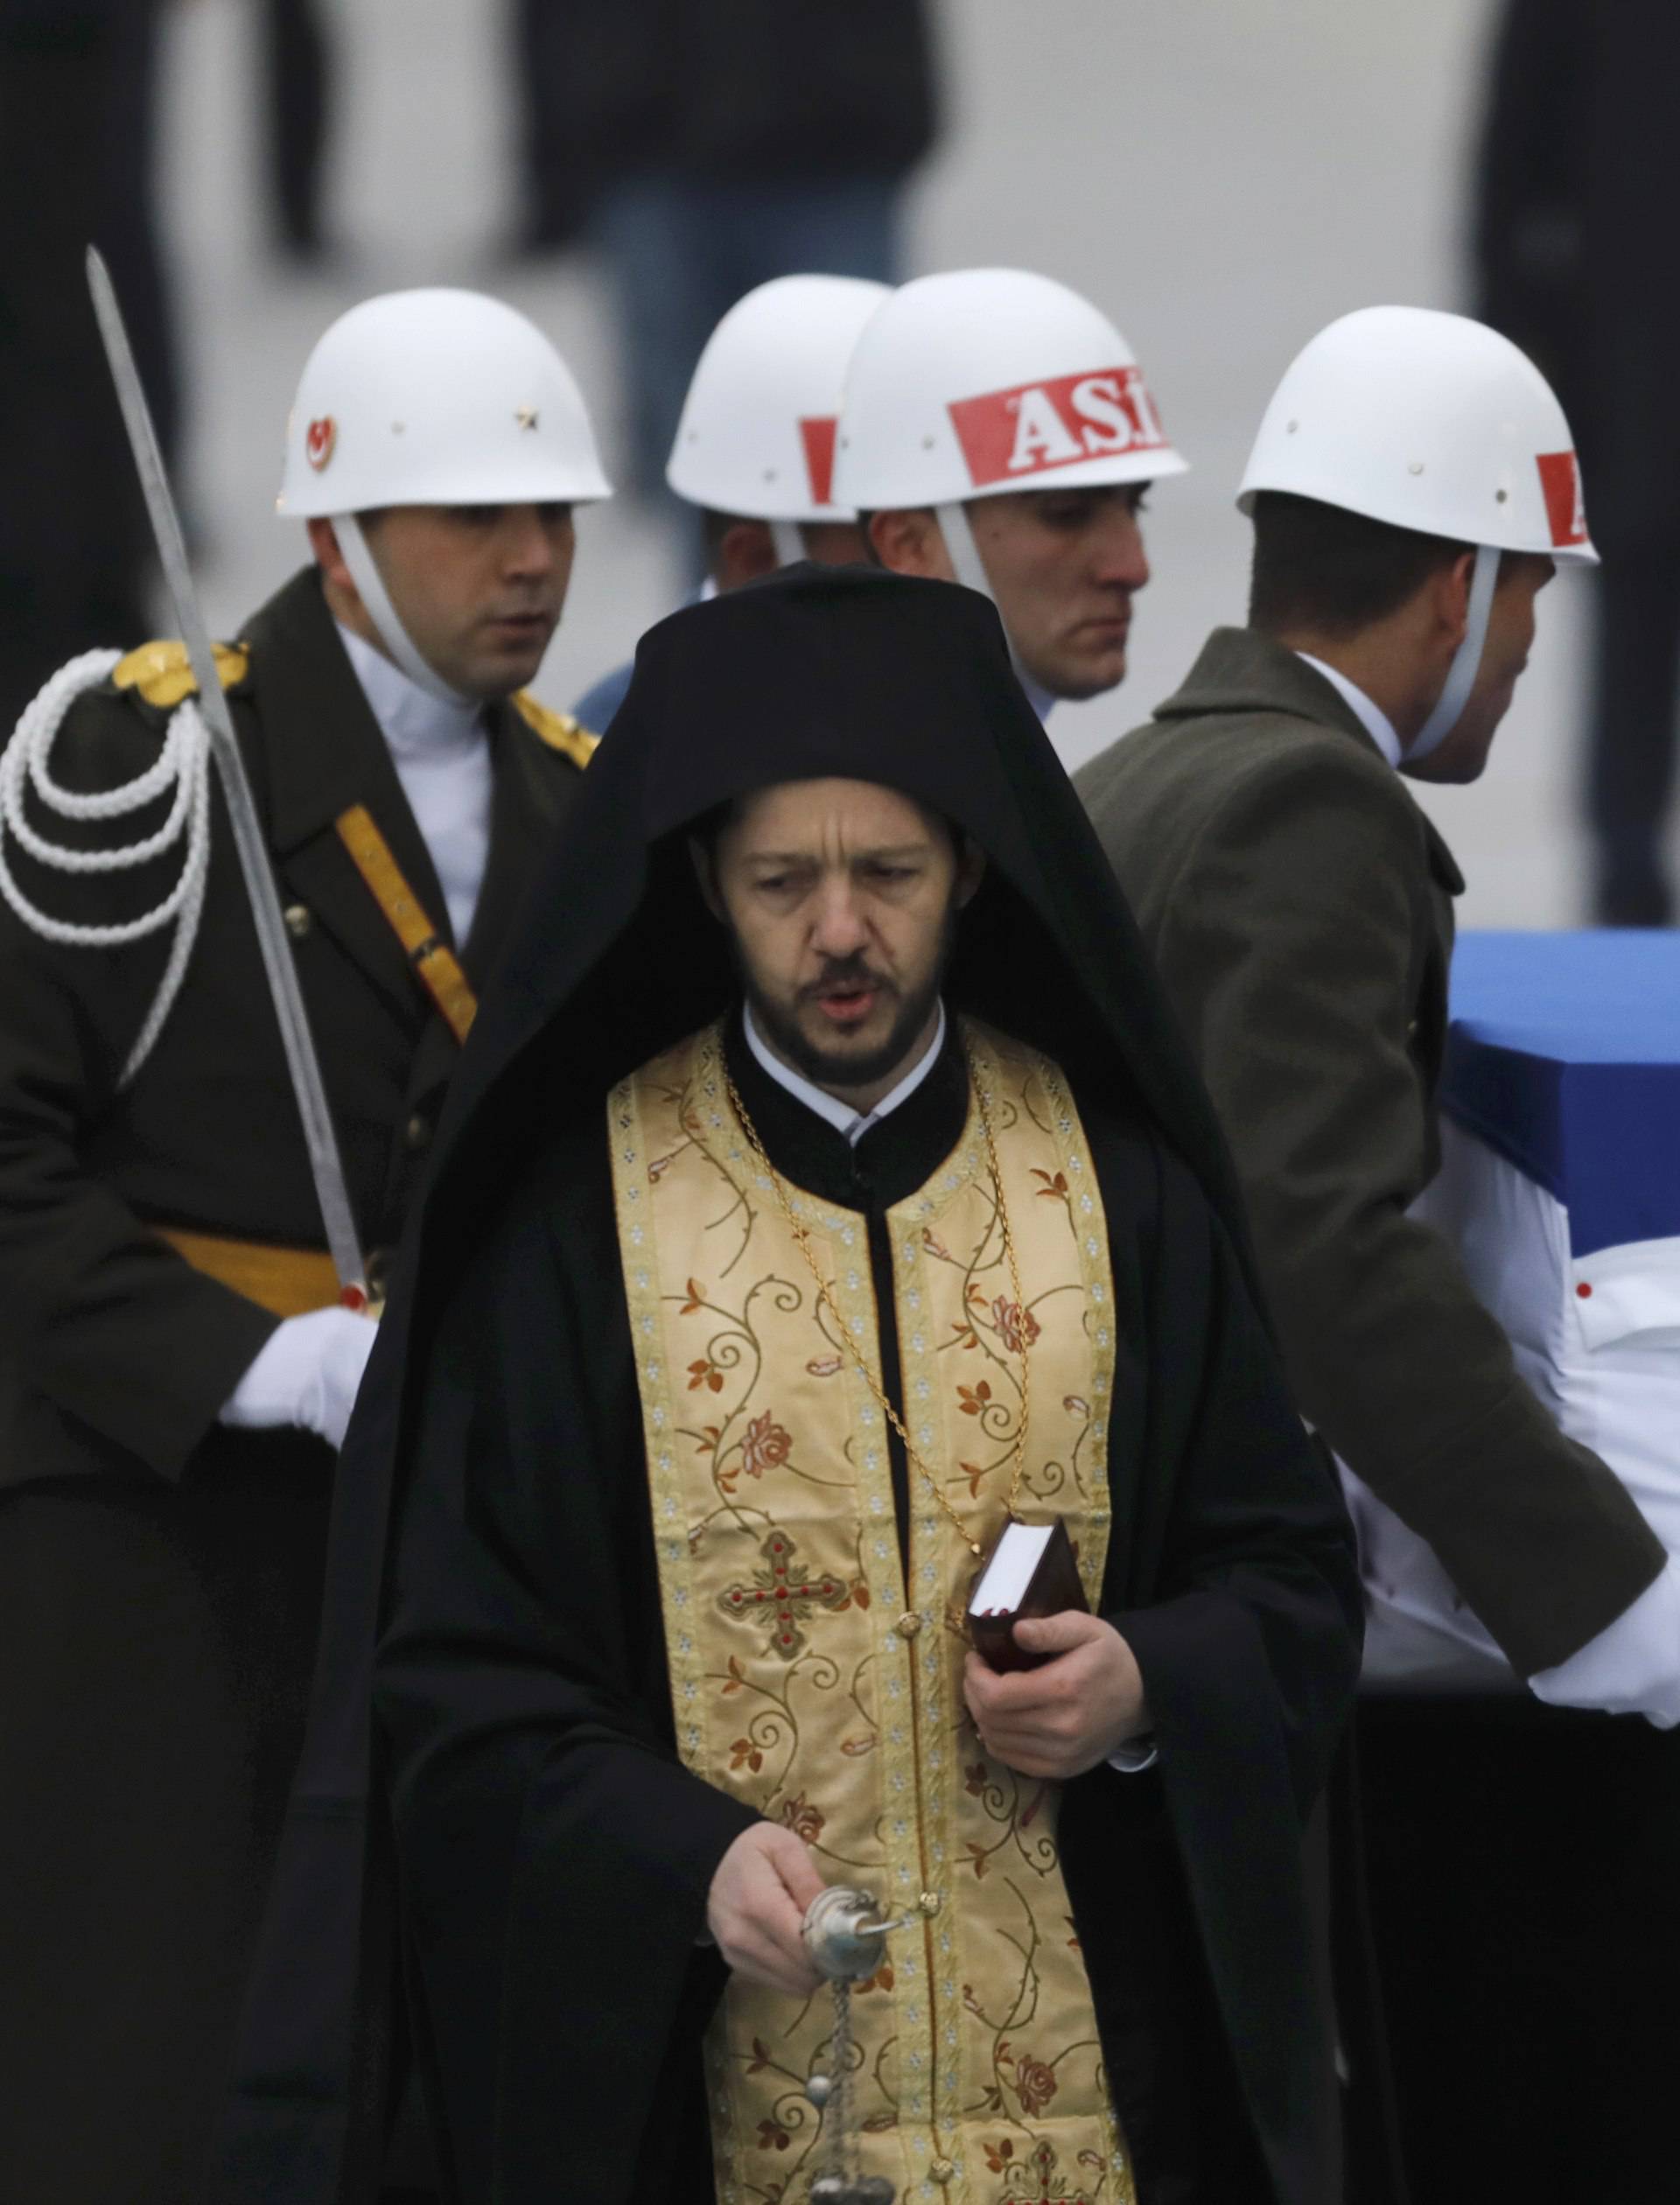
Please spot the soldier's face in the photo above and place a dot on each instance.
(841, 897)
(1463, 756)
(1064, 566)
(479, 588)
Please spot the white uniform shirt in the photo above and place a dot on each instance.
(442, 757)
(1420, 1636)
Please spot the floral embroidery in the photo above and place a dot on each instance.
(765, 1446)
(804, 1820)
(1016, 1327)
(1038, 2180)
(1035, 2084)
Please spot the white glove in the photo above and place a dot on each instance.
(306, 1374)
(1633, 1667)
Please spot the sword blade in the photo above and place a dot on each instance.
(325, 1167)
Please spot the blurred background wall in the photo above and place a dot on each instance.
(1221, 175)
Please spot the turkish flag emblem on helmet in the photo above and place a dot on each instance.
(318, 441)
(1560, 480)
(1008, 434)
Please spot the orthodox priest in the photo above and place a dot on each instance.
(832, 1193)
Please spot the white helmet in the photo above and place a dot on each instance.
(757, 434)
(436, 397)
(987, 380)
(431, 397)
(1428, 421)
(1432, 422)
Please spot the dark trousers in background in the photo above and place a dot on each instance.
(157, 1642)
(1524, 1866)
(295, 90)
(77, 130)
(1630, 768)
(680, 251)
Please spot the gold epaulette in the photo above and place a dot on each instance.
(558, 730)
(163, 673)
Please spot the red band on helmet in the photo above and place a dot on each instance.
(1008, 435)
(1560, 480)
(816, 433)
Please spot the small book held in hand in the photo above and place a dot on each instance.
(1032, 1573)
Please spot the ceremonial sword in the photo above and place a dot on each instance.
(325, 1168)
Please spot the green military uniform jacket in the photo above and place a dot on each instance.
(1300, 906)
(160, 1573)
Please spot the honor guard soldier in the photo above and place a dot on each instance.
(175, 1370)
(754, 449)
(997, 431)
(1412, 487)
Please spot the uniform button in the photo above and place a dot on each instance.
(418, 1132)
(930, 1902)
(1411, 1029)
(298, 920)
(907, 1626)
(376, 1269)
(941, 2171)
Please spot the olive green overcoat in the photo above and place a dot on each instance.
(1300, 906)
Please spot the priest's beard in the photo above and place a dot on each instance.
(843, 1068)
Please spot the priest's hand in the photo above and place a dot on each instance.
(756, 1908)
(1069, 1714)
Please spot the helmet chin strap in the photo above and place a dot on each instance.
(789, 541)
(370, 586)
(1466, 660)
(970, 569)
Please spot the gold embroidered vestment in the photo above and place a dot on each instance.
(807, 1680)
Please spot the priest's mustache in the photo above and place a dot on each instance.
(844, 972)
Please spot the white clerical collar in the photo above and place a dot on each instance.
(841, 1116)
(411, 721)
(1371, 717)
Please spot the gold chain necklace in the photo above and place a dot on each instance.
(803, 1235)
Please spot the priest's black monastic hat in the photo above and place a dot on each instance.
(816, 671)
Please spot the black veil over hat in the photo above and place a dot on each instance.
(816, 671)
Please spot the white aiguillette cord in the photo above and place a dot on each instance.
(181, 770)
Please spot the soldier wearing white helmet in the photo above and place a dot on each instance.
(997, 431)
(755, 447)
(451, 422)
(175, 1371)
(1413, 487)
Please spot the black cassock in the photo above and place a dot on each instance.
(554, 1855)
